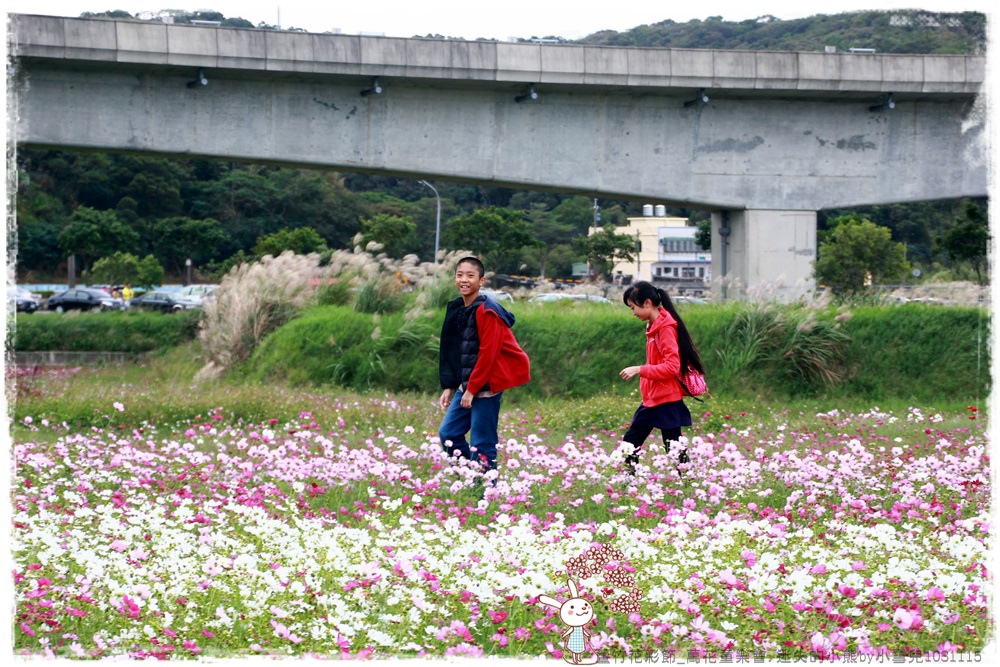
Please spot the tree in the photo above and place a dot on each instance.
(550, 231)
(498, 234)
(301, 241)
(92, 234)
(606, 247)
(150, 273)
(858, 251)
(394, 232)
(179, 239)
(968, 240)
(703, 237)
(123, 267)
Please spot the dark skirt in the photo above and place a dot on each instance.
(667, 417)
(663, 416)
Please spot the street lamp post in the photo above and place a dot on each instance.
(437, 234)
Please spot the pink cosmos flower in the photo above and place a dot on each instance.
(282, 631)
(119, 407)
(728, 578)
(470, 650)
(556, 653)
(119, 546)
(904, 619)
(128, 607)
(818, 568)
(847, 591)
(935, 593)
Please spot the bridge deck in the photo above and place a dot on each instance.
(464, 63)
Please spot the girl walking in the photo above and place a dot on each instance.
(669, 353)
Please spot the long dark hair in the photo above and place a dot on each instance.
(642, 290)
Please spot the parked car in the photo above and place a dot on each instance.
(83, 298)
(198, 292)
(497, 295)
(22, 300)
(556, 296)
(688, 299)
(165, 302)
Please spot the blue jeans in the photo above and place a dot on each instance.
(481, 419)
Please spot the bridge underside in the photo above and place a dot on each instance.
(771, 160)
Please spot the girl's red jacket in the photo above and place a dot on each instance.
(658, 376)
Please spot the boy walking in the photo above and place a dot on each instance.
(480, 359)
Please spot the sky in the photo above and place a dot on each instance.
(472, 20)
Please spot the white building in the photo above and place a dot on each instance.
(667, 253)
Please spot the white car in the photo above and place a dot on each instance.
(498, 296)
(197, 293)
(557, 296)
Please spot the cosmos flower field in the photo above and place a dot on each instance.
(821, 535)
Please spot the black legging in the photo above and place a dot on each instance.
(636, 435)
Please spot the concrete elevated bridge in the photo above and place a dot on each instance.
(762, 139)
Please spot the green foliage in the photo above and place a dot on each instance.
(393, 232)
(92, 234)
(379, 294)
(337, 345)
(606, 247)
(497, 234)
(703, 237)
(150, 273)
(857, 254)
(968, 241)
(439, 291)
(121, 268)
(178, 239)
(920, 353)
(132, 332)
(301, 241)
(335, 292)
(911, 32)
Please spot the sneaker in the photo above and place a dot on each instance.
(630, 465)
(681, 459)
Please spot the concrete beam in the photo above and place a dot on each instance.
(729, 71)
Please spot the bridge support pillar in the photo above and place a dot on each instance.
(763, 254)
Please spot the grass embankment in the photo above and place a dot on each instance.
(911, 353)
(908, 354)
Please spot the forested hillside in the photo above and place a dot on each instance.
(884, 31)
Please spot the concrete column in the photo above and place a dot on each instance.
(766, 254)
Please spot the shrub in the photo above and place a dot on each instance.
(252, 301)
(132, 332)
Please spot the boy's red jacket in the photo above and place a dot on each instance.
(658, 377)
(501, 363)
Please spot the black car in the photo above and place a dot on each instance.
(83, 298)
(165, 302)
(22, 300)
